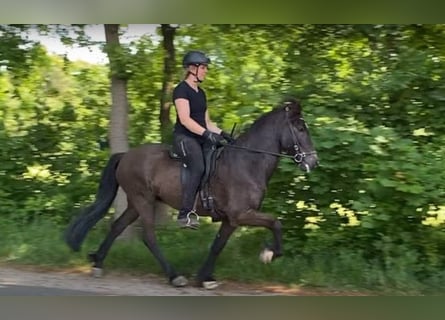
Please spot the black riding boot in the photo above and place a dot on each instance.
(192, 170)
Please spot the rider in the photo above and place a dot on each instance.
(192, 132)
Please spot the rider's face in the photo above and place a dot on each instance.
(200, 71)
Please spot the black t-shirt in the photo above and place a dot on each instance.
(198, 106)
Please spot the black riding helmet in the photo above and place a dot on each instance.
(195, 58)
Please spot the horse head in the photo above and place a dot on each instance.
(295, 139)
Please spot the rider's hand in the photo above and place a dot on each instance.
(214, 138)
(228, 137)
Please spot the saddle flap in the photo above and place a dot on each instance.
(210, 157)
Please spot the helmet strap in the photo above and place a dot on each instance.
(196, 74)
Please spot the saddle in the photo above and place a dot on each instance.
(206, 198)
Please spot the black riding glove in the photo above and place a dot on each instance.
(214, 138)
(228, 137)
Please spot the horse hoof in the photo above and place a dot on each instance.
(266, 256)
(179, 281)
(96, 272)
(92, 257)
(210, 285)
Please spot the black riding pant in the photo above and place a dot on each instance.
(191, 151)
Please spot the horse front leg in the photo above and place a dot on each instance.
(205, 275)
(256, 218)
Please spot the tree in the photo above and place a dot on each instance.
(168, 35)
(118, 127)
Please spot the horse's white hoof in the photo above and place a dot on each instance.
(210, 285)
(266, 256)
(97, 272)
(179, 281)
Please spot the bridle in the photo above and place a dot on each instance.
(298, 157)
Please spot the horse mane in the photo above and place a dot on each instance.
(256, 125)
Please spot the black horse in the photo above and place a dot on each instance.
(148, 175)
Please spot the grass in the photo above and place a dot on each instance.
(41, 244)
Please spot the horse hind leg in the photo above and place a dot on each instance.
(118, 226)
(146, 205)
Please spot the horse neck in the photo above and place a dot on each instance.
(261, 136)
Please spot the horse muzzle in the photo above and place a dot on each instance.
(308, 162)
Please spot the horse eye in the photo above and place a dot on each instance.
(301, 127)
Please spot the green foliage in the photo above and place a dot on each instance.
(373, 213)
(144, 91)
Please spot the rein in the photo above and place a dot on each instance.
(298, 157)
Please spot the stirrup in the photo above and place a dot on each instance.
(189, 220)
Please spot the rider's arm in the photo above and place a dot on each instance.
(211, 125)
(183, 111)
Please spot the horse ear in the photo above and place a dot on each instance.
(292, 106)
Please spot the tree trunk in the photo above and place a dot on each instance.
(118, 128)
(168, 34)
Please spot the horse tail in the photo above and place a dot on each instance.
(79, 227)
